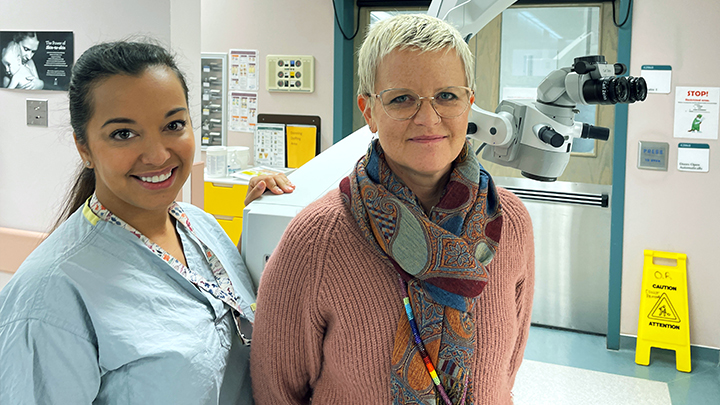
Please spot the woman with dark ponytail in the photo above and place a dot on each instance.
(133, 298)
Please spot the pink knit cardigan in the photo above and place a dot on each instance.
(328, 309)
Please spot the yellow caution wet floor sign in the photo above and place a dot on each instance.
(664, 309)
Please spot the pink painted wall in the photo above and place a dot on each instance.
(673, 211)
(15, 246)
(281, 27)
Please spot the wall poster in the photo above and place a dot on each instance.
(697, 112)
(243, 69)
(243, 111)
(36, 60)
(269, 144)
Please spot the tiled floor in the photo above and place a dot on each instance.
(588, 352)
(539, 383)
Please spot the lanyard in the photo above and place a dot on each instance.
(421, 347)
(220, 288)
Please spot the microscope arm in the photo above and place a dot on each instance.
(468, 16)
(495, 129)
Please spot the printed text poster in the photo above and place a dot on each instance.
(269, 144)
(301, 144)
(696, 112)
(243, 111)
(36, 60)
(243, 69)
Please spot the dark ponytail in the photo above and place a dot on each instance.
(81, 190)
(96, 64)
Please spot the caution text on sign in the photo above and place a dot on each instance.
(664, 319)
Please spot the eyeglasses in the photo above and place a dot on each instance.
(403, 104)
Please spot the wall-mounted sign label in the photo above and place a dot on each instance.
(693, 157)
(696, 112)
(36, 60)
(657, 77)
(653, 155)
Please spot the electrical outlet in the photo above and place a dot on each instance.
(37, 112)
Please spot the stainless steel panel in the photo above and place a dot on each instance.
(571, 223)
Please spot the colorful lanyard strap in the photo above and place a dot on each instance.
(421, 347)
(221, 288)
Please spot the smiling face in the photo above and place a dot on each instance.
(426, 144)
(139, 141)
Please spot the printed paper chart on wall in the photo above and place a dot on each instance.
(269, 144)
(696, 112)
(243, 69)
(243, 111)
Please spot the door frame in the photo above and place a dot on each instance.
(618, 187)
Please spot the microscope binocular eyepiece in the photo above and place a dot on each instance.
(601, 87)
(614, 89)
(637, 90)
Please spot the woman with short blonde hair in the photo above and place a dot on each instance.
(412, 283)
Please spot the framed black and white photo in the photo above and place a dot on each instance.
(36, 60)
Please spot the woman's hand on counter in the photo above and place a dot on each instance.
(275, 183)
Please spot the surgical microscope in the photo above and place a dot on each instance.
(535, 136)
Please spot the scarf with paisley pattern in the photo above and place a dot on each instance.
(443, 257)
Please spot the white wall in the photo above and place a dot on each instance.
(278, 27)
(4, 278)
(673, 211)
(37, 164)
(185, 34)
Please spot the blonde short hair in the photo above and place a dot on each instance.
(404, 31)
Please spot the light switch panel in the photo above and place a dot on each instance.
(37, 112)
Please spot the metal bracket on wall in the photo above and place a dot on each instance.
(37, 112)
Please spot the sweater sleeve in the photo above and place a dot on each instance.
(520, 226)
(288, 333)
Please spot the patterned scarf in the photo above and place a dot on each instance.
(442, 258)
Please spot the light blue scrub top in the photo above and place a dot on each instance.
(93, 316)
